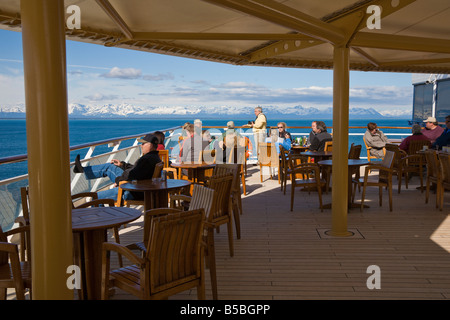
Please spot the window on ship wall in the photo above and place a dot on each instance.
(442, 100)
(423, 102)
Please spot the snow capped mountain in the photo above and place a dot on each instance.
(124, 110)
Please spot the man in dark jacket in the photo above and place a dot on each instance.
(118, 171)
(320, 137)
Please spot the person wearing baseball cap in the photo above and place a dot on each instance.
(118, 170)
(444, 138)
(432, 130)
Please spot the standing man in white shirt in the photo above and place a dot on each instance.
(259, 127)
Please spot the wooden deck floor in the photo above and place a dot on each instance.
(285, 255)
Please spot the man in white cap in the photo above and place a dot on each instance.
(432, 130)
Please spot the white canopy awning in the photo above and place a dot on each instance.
(413, 35)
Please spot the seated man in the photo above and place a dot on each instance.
(444, 139)
(320, 137)
(229, 140)
(432, 129)
(375, 139)
(118, 171)
(416, 135)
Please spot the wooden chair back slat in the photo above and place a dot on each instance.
(174, 250)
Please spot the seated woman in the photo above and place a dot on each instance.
(161, 137)
(118, 171)
(286, 143)
(375, 139)
(281, 129)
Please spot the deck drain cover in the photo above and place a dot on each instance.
(324, 233)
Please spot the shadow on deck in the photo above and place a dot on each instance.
(285, 255)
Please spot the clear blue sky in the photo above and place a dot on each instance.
(100, 75)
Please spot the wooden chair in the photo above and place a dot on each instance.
(369, 156)
(283, 171)
(328, 146)
(384, 178)
(354, 153)
(237, 156)
(220, 212)
(444, 159)
(173, 261)
(203, 197)
(236, 200)
(14, 273)
(267, 157)
(399, 161)
(306, 169)
(164, 155)
(433, 175)
(414, 162)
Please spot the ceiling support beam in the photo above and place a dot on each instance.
(114, 15)
(350, 22)
(284, 16)
(215, 36)
(397, 42)
(363, 54)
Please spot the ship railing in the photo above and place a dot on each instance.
(126, 149)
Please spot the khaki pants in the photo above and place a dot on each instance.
(259, 137)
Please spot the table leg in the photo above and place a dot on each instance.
(93, 241)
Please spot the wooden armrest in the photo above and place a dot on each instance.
(124, 251)
(180, 197)
(8, 247)
(93, 195)
(160, 211)
(22, 221)
(21, 229)
(377, 167)
(97, 202)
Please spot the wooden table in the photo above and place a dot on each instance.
(196, 171)
(317, 155)
(352, 163)
(156, 192)
(92, 224)
(395, 141)
(298, 149)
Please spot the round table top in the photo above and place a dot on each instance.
(95, 218)
(351, 162)
(155, 185)
(317, 153)
(192, 165)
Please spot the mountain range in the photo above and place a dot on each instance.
(128, 111)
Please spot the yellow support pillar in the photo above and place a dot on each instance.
(44, 54)
(339, 207)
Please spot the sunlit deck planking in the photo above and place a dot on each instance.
(283, 254)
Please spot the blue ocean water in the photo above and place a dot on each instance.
(13, 133)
